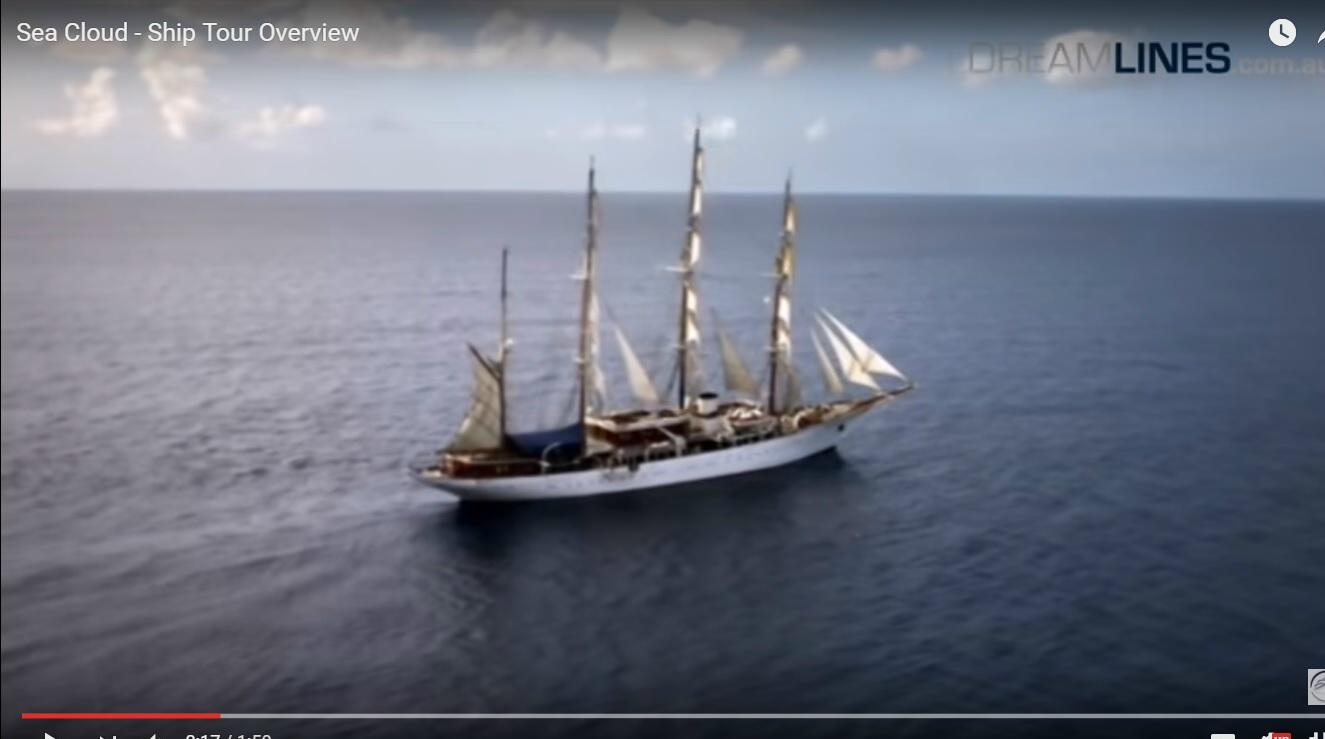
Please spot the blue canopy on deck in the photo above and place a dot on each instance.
(561, 443)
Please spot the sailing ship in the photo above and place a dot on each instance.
(702, 434)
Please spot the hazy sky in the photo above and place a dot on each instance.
(518, 96)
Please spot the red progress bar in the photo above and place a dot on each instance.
(103, 716)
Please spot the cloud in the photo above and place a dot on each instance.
(272, 121)
(640, 41)
(564, 50)
(227, 11)
(1080, 58)
(720, 128)
(621, 131)
(392, 41)
(817, 130)
(92, 52)
(176, 83)
(895, 60)
(637, 41)
(509, 38)
(94, 108)
(384, 40)
(785, 59)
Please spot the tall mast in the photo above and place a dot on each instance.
(779, 345)
(689, 319)
(503, 351)
(587, 308)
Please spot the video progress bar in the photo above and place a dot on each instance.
(675, 716)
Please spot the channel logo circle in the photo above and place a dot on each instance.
(1317, 686)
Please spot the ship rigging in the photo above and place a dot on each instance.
(702, 435)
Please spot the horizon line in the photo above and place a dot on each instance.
(631, 191)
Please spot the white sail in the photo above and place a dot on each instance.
(783, 326)
(688, 342)
(832, 383)
(852, 368)
(692, 332)
(690, 295)
(734, 371)
(871, 360)
(780, 349)
(692, 303)
(597, 395)
(592, 391)
(481, 428)
(640, 384)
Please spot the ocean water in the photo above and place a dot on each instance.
(1107, 494)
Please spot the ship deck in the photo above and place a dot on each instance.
(499, 463)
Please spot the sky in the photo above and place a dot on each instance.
(519, 96)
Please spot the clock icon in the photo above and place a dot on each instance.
(1282, 32)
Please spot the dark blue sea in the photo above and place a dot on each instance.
(1107, 493)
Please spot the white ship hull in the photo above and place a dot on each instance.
(652, 474)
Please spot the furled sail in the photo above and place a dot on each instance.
(782, 326)
(832, 382)
(734, 372)
(640, 384)
(481, 428)
(779, 351)
(871, 360)
(852, 368)
(693, 249)
(689, 339)
(692, 318)
(597, 395)
(591, 376)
